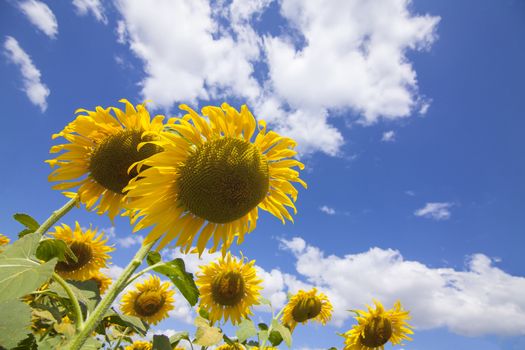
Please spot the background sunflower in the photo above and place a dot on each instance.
(228, 288)
(90, 251)
(150, 300)
(305, 306)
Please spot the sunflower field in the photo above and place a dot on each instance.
(194, 182)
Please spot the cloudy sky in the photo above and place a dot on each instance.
(408, 116)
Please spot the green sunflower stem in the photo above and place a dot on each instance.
(104, 305)
(270, 328)
(57, 215)
(74, 300)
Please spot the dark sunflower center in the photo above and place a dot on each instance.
(223, 180)
(306, 309)
(148, 303)
(377, 332)
(112, 158)
(83, 253)
(228, 288)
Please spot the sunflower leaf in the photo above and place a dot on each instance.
(285, 332)
(176, 272)
(19, 277)
(25, 247)
(246, 330)
(15, 322)
(54, 248)
(161, 342)
(275, 338)
(27, 221)
(177, 337)
(263, 336)
(206, 335)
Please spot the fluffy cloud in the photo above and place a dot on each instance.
(334, 61)
(389, 136)
(130, 240)
(435, 210)
(41, 16)
(466, 301)
(327, 210)
(36, 91)
(84, 7)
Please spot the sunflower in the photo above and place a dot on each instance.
(234, 346)
(228, 288)
(305, 306)
(4, 240)
(376, 327)
(140, 345)
(100, 152)
(213, 174)
(150, 300)
(90, 251)
(103, 281)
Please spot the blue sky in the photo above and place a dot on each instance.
(408, 117)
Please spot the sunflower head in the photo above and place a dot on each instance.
(101, 152)
(103, 281)
(90, 250)
(4, 240)
(214, 172)
(140, 345)
(150, 300)
(377, 327)
(305, 306)
(228, 288)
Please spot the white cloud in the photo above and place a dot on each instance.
(36, 91)
(84, 7)
(435, 210)
(130, 240)
(343, 56)
(327, 210)
(389, 136)
(466, 301)
(40, 15)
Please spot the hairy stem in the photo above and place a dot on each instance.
(56, 215)
(74, 300)
(104, 305)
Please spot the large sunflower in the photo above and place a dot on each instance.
(150, 300)
(90, 251)
(305, 306)
(140, 345)
(376, 327)
(228, 288)
(213, 174)
(100, 152)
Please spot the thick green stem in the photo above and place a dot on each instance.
(57, 214)
(73, 298)
(104, 305)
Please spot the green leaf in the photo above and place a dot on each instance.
(263, 326)
(275, 338)
(206, 335)
(54, 248)
(91, 344)
(20, 276)
(153, 257)
(285, 332)
(246, 330)
(86, 292)
(15, 322)
(176, 272)
(27, 221)
(133, 322)
(25, 247)
(204, 313)
(28, 343)
(24, 232)
(161, 342)
(177, 337)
